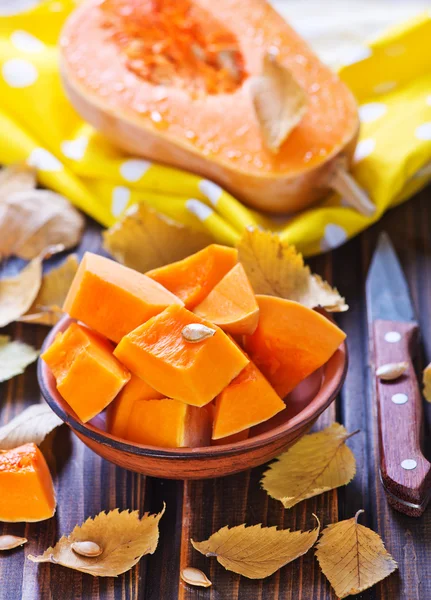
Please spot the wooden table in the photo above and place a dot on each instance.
(86, 484)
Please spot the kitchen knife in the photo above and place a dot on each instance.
(393, 332)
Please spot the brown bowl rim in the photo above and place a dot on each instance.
(302, 419)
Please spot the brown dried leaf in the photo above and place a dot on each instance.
(275, 268)
(279, 101)
(123, 537)
(14, 357)
(317, 463)
(144, 239)
(16, 178)
(32, 425)
(353, 557)
(257, 552)
(427, 383)
(18, 293)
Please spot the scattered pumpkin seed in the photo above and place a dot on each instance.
(7, 542)
(196, 577)
(196, 332)
(391, 371)
(89, 549)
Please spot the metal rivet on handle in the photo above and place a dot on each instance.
(392, 337)
(409, 464)
(399, 398)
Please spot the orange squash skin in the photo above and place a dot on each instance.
(237, 157)
(27, 492)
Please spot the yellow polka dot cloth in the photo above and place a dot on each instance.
(390, 77)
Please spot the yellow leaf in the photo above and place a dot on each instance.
(317, 463)
(14, 357)
(45, 309)
(275, 268)
(122, 536)
(427, 383)
(32, 425)
(279, 101)
(257, 552)
(144, 239)
(16, 178)
(353, 557)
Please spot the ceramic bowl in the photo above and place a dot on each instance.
(304, 405)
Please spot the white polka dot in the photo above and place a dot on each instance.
(334, 236)
(74, 149)
(356, 54)
(19, 73)
(120, 199)
(134, 169)
(428, 100)
(372, 111)
(44, 160)
(409, 464)
(423, 132)
(384, 87)
(199, 209)
(26, 42)
(14, 7)
(364, 149)
(211, 190)
(392, 337)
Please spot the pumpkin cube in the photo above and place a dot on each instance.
(87, 373)
(113, 299)
(193, 372)
(27, 493)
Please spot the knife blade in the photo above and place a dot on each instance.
(393, 333)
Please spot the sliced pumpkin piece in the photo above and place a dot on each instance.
(87, 373)
(231, 304)
(247, 401)
(291, 341)
(27, 492)
(191, 371)
(118, 413)
(113, 299)
(192, 278)
(169, 424)
(232, 439)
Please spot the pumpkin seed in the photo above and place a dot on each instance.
(196, 577)
(196, 332)
(7, 542)
(89, 549)
(391, 371)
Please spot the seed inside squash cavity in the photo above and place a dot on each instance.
(8, 542)
(196, 577)
(196, 332)
(391, 371)
(89, 549)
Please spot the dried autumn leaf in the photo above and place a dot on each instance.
(279, 101)
(427, 383)
(45, 309)
(317, 463)
(32, 425)
(353, 557)
(14, 357)
(123, 537)
(34, 219)
(144, 239)
(275, 268)
(16, 178)
(257, 552)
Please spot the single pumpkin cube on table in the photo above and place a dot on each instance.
(26, 488)
(192, 372)
(113, 299)
(87, 374)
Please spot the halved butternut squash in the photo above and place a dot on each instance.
(192, 278)
(169, 80)
(113, 299)
(193, 372)
(231, 304)
(27, 492)
(87, 373)
(290, 342)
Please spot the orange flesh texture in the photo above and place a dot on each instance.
(118, 412)
(191, 372)
(247, 401)
(232, 439)
(231, 304)
(87, 373)
(168, 423)
(27, 491)
(290, 342)
(192, 278)
(221, 126)
(113, 299)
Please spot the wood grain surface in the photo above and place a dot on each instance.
(86, 484)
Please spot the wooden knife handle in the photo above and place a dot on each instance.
(404, 470)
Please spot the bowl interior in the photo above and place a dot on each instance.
(306, 402)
